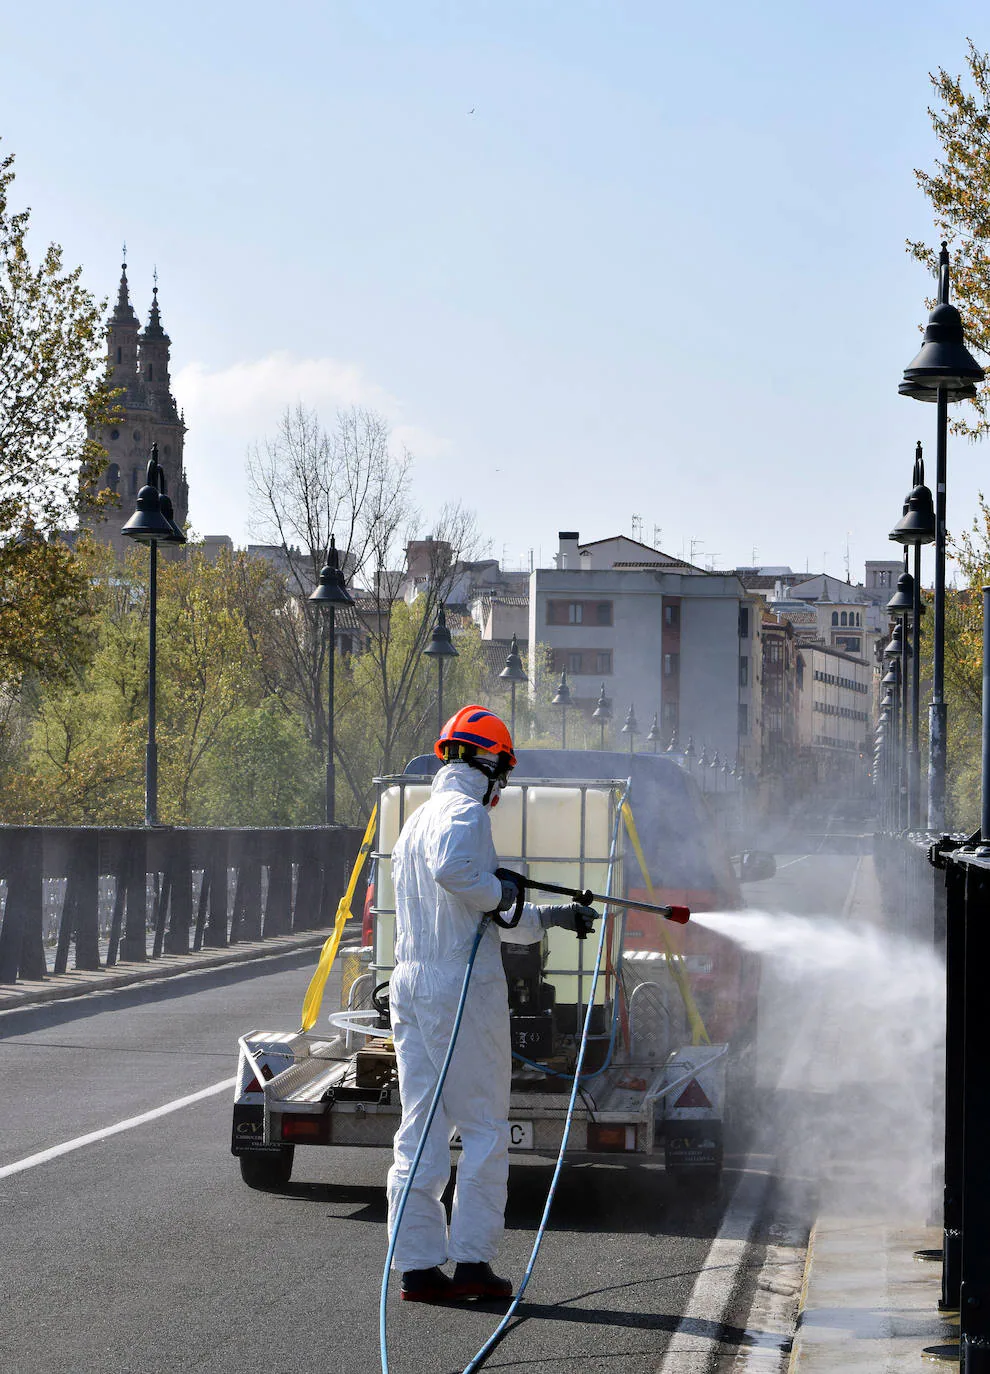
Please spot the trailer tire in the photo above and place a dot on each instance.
(269, 1171)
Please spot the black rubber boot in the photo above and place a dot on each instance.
(427, 1285)
(477, 1280)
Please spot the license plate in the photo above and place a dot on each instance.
(520, 1135)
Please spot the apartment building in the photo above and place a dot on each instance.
(664, 636)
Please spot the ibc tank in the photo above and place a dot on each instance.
(561, 834)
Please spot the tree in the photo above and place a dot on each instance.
(959, 192)
(53, 385)
(307, 484)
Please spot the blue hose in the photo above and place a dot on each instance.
(422, 1140)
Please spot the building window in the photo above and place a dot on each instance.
(137, 434)
(743, 672)
(120, 355)
(115, 434)
(835, 617)
(670, 713)
(743, 718)
(744, 622)
(603, 613)
(575, 613)
(774, 654)
(671, 665)
(574, 663)
(603, 661)
(672, 617)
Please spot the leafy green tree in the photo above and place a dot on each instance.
(264, 771)
(958, 189)
(53, 385)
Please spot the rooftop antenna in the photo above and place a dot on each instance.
(124, 250)
(848, 578)
(694, 544)
(657, 535)
(637, 527)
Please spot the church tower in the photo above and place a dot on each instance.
(139, 367)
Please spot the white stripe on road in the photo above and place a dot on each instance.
(43, 1156)
(696, 1339)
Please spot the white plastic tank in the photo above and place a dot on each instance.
(559, 833)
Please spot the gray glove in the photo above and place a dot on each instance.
(574, 917)
(510, 891)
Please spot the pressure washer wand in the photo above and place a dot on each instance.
(679, 914)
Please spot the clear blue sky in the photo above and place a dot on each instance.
(660, 270)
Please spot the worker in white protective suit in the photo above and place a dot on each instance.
(443, 871)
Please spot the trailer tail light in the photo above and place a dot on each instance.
(302, 1126)
(606, 1137)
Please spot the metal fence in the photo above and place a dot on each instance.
(135, 894)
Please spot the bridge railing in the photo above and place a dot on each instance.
(134, 893)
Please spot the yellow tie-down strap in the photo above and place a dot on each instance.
(675, 962)
(314, 993)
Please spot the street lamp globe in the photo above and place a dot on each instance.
(562, 698)
(440, 647)
(329, 593)
(513, 673)
(603, 714)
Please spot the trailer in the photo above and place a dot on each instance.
(653, 1083)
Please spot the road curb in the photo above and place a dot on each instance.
(67, 986)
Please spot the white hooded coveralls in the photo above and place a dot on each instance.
(443, 870)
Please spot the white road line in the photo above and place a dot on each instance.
(695, 1340)
(43, 1156)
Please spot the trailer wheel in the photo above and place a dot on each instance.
(269, 1171)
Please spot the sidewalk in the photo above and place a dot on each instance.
(14, 996)
(868, 1304)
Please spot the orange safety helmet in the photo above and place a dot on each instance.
(479, 728)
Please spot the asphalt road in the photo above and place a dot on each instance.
(143, 1251)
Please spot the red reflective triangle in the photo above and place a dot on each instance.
(693, 1096)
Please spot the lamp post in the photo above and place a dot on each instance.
(514, 673)
(630, 727)
(441, 646)
(330, 593)
(603, 714)
(915, 528)
(654, 735)
(892, 681)
(152, 524)
(562, 698)
(943, 371)
(689, 755)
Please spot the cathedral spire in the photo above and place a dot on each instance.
(122, 337)
(155, 345)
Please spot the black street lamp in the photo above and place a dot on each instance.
(152, 524)
(654, 736)
(915, 528)
(441, 646)
(514, 673)
(943, 371)
(562, 698)
(603, 714)
(331, 592)
(630, 728)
